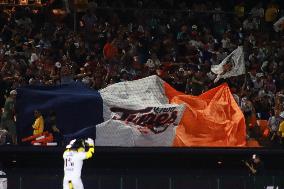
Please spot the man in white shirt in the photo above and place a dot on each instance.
(73, 161)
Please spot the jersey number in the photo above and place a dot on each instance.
(69, 162)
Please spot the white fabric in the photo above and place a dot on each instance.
(133, 94)
(3, 181)
(147, 98)
(39, 138)
(236, 58)
(77, 183)
(128, 133)
(51, 144)
(73, 162)
(278, 25)
(90, 142)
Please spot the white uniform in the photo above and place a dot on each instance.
(73, 162)
(3, 181)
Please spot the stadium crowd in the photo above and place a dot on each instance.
(119, 41)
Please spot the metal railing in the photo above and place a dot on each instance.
(138, 181)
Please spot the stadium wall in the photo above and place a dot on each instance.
(144, 168)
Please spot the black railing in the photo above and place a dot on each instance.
(148, 180)
(145, 168)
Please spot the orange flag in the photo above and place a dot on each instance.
(212, 119)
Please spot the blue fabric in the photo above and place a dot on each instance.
(76, 108)
(88, 132)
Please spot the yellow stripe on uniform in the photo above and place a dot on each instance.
(70, 185)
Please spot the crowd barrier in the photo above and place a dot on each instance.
(149, 180)
(144, 168)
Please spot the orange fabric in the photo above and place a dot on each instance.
(252, 143)
(171, 92)
(32, 137)
(48, 138)
(212, 119)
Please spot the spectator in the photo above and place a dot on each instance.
(281, 129)
(240, 9)
(4, 85)
(197, 83)
(119, 45)
(249, 113)
(110, 50)
(8, 117)
(257, 11)
(4, 137)
(38, 124)
(88, 24)
(273, 125)
(51, 127)
(271, 12)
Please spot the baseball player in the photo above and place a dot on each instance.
(3, 178)
(74, 156)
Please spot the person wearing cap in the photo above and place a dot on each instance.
(258, 83)
(281, 129)
(7, 119)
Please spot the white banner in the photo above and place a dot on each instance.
(136, 94)
(279, 25)
(149, 126)
(232, 65)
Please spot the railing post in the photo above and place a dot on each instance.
(20, 182)
(99, 182)
(136, 183)
(121, 182)
(218, 183)
(170, 183)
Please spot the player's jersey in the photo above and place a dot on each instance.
(3, 180)
(73, 162)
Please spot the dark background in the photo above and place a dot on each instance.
(144, 168)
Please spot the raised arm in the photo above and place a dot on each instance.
(91, 150)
